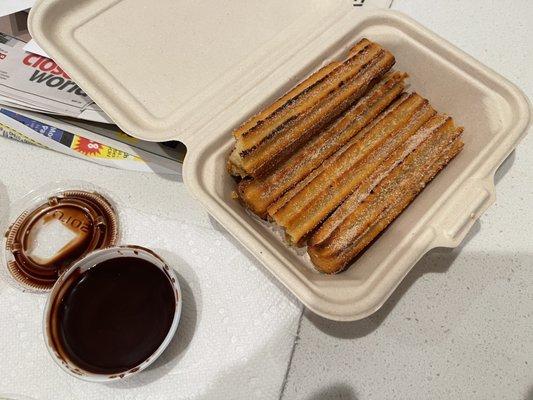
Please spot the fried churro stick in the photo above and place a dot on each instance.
(391, 196)
(366, 187)
(260, 193)
(234, 162)
(279, 204)
(276, 137)
(345, 170)
(298, 89)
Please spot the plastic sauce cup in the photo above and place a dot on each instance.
(108, 261)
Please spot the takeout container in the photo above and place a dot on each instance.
(205, 67)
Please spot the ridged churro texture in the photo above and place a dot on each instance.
(335, 160)
(354, 225)
(280, 130)
(259, 194)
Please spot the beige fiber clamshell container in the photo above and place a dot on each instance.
(194, 70)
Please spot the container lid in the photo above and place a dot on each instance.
(53, 233)
(163, 69)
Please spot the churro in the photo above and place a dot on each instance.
(280, 130)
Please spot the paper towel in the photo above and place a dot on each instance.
(234, 338)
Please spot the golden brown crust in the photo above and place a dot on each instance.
(298, 89)
(259, 194)
(308, 208)
(336, 159)
(367, 186)
(342, 262)
(313, 91)
(290, 194)
(289, 126)
(296, 133)
(387, 201)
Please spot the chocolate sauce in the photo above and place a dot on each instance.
(113, 316)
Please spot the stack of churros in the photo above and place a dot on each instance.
(335, 160)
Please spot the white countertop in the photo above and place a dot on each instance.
(459, 326)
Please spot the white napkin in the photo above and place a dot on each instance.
(234, 339)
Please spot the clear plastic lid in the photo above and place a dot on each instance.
(53, 227)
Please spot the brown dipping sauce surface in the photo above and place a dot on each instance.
(114, 316)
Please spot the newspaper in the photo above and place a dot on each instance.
(103, 144)
(36, 83)
(42, 106)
